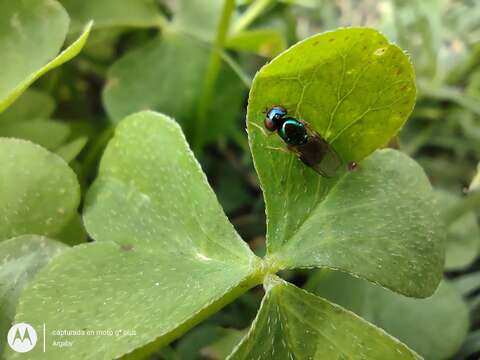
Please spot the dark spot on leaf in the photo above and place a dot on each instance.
(315, 43)
(331, 40)
(126, 247)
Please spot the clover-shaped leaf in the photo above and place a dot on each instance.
(165, 256)
(21, 258)
(294, 324)
(446, 313)
(33, 33)
(356, 90)
(39, 192)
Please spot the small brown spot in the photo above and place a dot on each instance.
(352, 166)
(315, 43)
(126, 247)
(331, 40)
(399, 71)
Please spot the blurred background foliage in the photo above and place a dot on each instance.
(194, 60)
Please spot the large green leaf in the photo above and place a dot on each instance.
(378, 222)
(165, 256)
(21, 258)
(294, 324)
(33, 32)
(434, 327)
(113, 13)
(167, 75)
(38, 191)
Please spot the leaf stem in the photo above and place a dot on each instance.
(212, 72)
(250, 15)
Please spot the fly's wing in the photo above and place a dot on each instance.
(319, 155)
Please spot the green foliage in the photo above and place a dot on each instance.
(112, 13)
(151, 205)
(160, 255)
(21, 258)
(27, 55)
(295, 324)
(445, 312)
(39, 192)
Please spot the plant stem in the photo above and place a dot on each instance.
(470, 203)
(250, 15)
(213, 70)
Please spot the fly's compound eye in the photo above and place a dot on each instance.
(274, 118)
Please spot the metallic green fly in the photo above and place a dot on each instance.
(309, 146)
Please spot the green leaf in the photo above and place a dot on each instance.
(294, 324)
(434, 327)
(419, 29)
(223, 346)
(351, 85)
(339, 222)
(463, 236)
(167, 75)
(165, 255)
(21, 258)
(29, 57)
(73, 233)
(379, 222)
(32, 104)
(468, 283)
(49, 134)
(70, 150)
(32, 34)
(264, 42)
(197, 18)
(113, 13)
(475, 183)
(39, 192)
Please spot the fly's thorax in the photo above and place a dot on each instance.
(293, 132)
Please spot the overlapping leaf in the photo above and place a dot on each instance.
(33, 33)
(294, 324)
(20, 259)
(165, 257)
(39, 192)
(434, 327)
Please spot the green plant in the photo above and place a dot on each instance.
(165, 256)
(151, 253)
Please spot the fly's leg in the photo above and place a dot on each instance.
(278, 149)
(264, 132)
